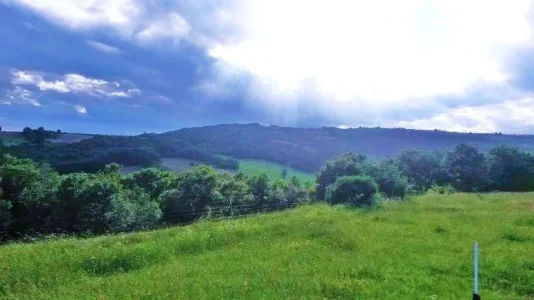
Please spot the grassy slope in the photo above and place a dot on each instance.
(420, 249)
(273, 170)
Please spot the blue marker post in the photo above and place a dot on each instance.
(476, 296)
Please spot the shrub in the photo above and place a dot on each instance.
(352, 190)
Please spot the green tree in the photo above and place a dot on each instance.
(422, 168)
(283, 173)
(345, 165)
(297, 192)
(391, 182)
(278, 192)
(352, 190)
(152, 180)
(30, 190)
(40, 136)
(28, 134)
(233, 190)
(466, 168)
(259, 186)
(195, 192)
(510, 169)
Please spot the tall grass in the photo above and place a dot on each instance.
(419, 249)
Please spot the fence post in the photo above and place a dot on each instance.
(476, 295)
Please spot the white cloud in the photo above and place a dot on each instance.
(58, 86)
(369, 55)
(78, 15)
(104, 47)
(120, 94)
(6, 103)
(80, 109)
(21, 96)
(511, 116)
(72, 83)
(173, 26)
(21, 77)
(129, 18)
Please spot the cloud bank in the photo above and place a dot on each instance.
(422, 64)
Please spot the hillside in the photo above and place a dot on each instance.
(222, 146)
(419, 249)
(308, 148)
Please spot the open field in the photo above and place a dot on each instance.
(69, 138)
(173, 164)
(420, 249)
(273, 170)
(182, 164)
(15, 138)
(11, 138)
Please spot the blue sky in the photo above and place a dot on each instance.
(133, 66)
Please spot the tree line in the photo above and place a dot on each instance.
(305, 149)
(355, 179)
(92, 155)
(36, 199)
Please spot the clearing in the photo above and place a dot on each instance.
(273, 170)
(418, 249)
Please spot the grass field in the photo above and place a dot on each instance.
(420, 249)
(173, 164)
(273, 170)
(12, 138)
(69, 138)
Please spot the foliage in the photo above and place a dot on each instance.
(352, 190)
(466, 168)
(347, 164)
(35, 199)
(39, 135)
(392, 183)
(422, 168)
(305, 149)
(510, 169)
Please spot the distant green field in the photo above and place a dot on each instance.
(247, 166)
(12, 138)
(273, 170)
(418, 249)
(171, 163)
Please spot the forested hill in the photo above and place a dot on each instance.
(309, 148)
(221, 145)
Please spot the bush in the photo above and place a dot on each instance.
(390, 180)
(352, 190)
(347, 164)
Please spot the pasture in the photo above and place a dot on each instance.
(417, 249)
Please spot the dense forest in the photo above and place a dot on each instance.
(35, 199)
(221, 145)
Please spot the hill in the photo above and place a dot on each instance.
(222, 146)
(308, 148)
(419, 249)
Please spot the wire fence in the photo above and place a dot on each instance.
(190, 214)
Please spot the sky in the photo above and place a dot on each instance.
(134, 66)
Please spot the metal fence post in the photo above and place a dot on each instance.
(476, 295)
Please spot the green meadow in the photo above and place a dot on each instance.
(273, 170)
(417, 249)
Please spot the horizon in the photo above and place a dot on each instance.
(134, 66)
(18, 130)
